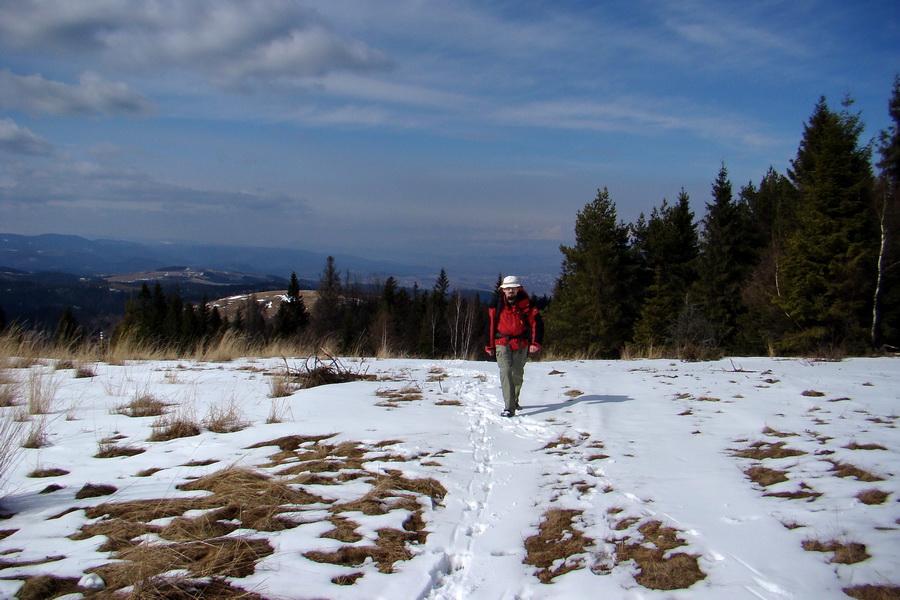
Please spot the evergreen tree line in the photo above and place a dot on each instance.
(346, 316)
(803, 262)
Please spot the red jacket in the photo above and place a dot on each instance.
(515, 325)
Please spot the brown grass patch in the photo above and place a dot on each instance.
(813, 394)
(872, 497)
(573, 393)
(113, 450)
(763, 450)
(91, 490)
(764, 476)
(448, 403)
(844, 553)
(390, 547)
(220, 557)
(346, 579)
(874, 592)
(855, 446)
(842, 469)
(37, 473)
(344, 530)
(775, 433)
(47, 586)
(407, 393)
(658, 569)
(555, 549)
(804, 493)
(557, 546)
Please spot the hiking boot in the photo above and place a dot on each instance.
(508, 413)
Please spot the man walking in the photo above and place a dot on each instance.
(515, 329)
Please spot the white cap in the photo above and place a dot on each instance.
(510, 281)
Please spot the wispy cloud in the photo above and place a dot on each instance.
(637, 116)
(15, 139)
(93, 95)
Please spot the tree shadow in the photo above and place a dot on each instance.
(536, 409)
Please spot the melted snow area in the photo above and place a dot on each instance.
(753, 478)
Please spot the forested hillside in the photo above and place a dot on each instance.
(801, 262)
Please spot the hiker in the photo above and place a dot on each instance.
(515, 329)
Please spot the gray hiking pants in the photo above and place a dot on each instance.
(512, 374)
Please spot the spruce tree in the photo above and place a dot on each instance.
(668, 244)
(68, 332)
(727, 254)
(292, 316)
(594, 305)
(327, 312)
(830, 257)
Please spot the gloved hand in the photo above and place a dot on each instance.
(490, 350)
(534, 348)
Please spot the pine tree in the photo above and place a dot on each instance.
(327, 312)
(773, 206)
(830, 257)
(728, 251)
(594, 303)
(292, 316)
(668, 244)
(68, 332)
(434, 338)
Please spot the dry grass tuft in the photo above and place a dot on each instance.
(813, 394)
(10, 390)
(763, 450)
(559, 546)
(107, 449)
(42, 389)
(764, 476)
(143, 405)
(847, 554)
(658, 568)
(38, 473)
(226, 418)
(841, 469)
(804, 493)
(37, 436)
(775, 433)
(349, 579)
(168, 427)
(855, 446)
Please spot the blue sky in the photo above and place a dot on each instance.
(443, 133)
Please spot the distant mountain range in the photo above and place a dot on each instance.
(80, 256)
(87, 258)
(42, 275)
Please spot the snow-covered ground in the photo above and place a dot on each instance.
(619, 444)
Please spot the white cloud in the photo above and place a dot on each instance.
(15, 139)
(234, 42)
(93, 95)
